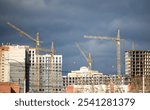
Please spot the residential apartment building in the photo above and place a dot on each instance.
(13, 59)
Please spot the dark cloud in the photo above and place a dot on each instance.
(66, 21)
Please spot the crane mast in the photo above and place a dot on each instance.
(90, 61)
(118, 54)
(37, 82)
(117, 41)
(52, 78)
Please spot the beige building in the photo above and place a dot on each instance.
(13, 64)
(84, 76)
(84, 72)
(90, 81)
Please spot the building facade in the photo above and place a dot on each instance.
(19, 64)
(90, 81)
(137, 67)
(13, 59)
(83, 77)
(137, 62)
(47, 74)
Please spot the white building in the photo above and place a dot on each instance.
(84, 72)
(85, 77)
(91, 81)
(13, 59)
(45, 72)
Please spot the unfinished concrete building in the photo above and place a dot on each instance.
(137, 67)
(45, 64)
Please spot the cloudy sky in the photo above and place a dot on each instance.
(66, 21)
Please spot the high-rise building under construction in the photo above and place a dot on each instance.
(45, 63)
(137, 66)
(137, 62)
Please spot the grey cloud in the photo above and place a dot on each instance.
(66, 21)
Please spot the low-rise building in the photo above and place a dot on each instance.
(89, 81)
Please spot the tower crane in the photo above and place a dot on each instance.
(89, 61)
(37, 42)
(52, 78)
(87, 58)
(52, 75)
(117, 41)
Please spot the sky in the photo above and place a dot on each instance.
(67, 21)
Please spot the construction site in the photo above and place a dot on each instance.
(35, 72)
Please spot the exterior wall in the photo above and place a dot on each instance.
(137, 64)
(46, 76)
(13, 64)
(84, 72)
(4, 65)
(84, 76)
(88, 80)
(85, 81)
(32, 68)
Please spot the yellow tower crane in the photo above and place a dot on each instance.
(52, 75)
(87, 58)
(89, 61)
(117, 40)
(37, 42)
(52, 78)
